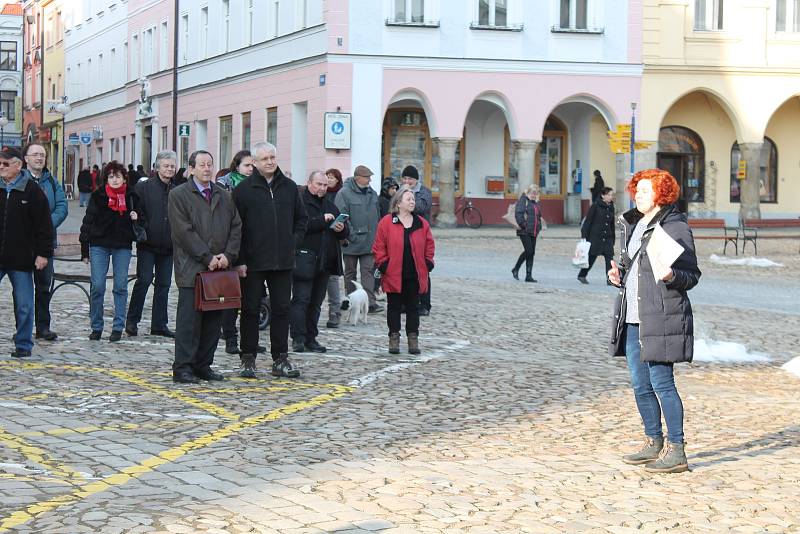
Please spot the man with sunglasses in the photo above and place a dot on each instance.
(26, 241)
(36, 170)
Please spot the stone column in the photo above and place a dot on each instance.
(447, 195)
(525, 154)
(750, 203)
(156, 142)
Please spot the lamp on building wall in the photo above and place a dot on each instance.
(62, 108)
(3, 124)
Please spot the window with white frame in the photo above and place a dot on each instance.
(493, 13)
(184, 46)
(574, 15)
(91, 78)
(276, 15)
(787, 15)
(147, 52)
(37, 94)
(302, 13)
(124, 62)
(249, 28)
(408, 11)
(135, 58)
(204, 32)
(163, 47)
(101, 75)
(28, 83)
(226, 25)
(112, 61)
(708, 15)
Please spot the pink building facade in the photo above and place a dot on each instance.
(484, 99)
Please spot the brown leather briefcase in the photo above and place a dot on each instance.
(217, 290)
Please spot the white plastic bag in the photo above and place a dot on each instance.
(581, 257)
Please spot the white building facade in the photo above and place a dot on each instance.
(11, 65)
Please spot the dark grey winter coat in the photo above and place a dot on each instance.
(598, 229)
(666, 326)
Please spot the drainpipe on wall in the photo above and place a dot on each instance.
(175, 37)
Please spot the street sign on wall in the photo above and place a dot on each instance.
(337, 131)
(86, 138)
(184, 130)
(74, 139)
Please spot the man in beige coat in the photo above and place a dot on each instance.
(206, 235)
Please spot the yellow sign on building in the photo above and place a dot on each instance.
(741, 173)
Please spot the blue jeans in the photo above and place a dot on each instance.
(653, 382)
(99, 259)
(84, 198)
(22, 294)
(148, 262)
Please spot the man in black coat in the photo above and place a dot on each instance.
(598, 230)
(273, 225)
(154, 255)
(321, 248)
(26, 242)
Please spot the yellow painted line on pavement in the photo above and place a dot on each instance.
(36, 455)
(21, 517)
(174, 394)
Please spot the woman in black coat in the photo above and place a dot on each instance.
(107, 235)
(598, 229)
(528, 214)
(653, 321)
(597, 187)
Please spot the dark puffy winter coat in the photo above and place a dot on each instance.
(529, 216)
(666, 325)
(598, 229)
(319, 237)
(104, 227)
(153, 210)
(26, 229)
(85, 181)
(273, 221)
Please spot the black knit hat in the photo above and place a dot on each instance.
(411, 172)
(10, 152)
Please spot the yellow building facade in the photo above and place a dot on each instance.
(53, 82)
(721, 85)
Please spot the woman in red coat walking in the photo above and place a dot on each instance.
(403, 250)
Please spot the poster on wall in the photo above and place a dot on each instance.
(553, 165)
(337, 131)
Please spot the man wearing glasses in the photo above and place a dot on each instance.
(26, 242)
(154, 253)
(36, 170)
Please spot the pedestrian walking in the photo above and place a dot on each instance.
(653, 325)
(360, 202)
(318, 256)
(133, 174)
(334, 177)
(404, 250)
(36, 169)
(85, 186)
(598, 230)
(273, 225)
(597, 188)
(107, 236)
(528, 214)
(26, 242)
(154, 253)
(206, 236)
(424, 202)
(240, 168)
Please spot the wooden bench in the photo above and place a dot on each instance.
(750, 228)
(730, 234)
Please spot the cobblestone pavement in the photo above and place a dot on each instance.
(512, 420)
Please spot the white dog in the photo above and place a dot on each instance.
(359, 305)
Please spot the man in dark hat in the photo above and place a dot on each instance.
(422, 207)
(26, 241)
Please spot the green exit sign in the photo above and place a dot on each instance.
(183, 130)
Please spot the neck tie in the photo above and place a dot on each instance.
(207, 194)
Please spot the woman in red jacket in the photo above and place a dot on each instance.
(403, 250)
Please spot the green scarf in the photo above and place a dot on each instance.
(236, 179)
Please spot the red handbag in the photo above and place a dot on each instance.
(217, 290)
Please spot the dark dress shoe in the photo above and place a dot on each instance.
(529, 279)
(184, 377)
(298, 346)
(423, 312)
(20, 353)
(47, 335)
(332, 324)
(232, 345)
(163, 333)
(261, 349)
(132, 330)
(209, 375)
(313, 346)
(283, 368)
(95, 335)
(116, 335)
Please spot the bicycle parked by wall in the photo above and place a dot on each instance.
(468, 213)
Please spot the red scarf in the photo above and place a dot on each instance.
(116, 198)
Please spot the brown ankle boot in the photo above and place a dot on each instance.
(394, 343)
(413, 343)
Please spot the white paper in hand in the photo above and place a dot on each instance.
(662, 251)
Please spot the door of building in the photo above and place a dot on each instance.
(676, 165)
(147, 147)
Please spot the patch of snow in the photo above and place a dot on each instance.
(725, 352)
(752, 261)
(792, 366)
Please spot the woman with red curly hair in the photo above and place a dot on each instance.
(653, 324)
